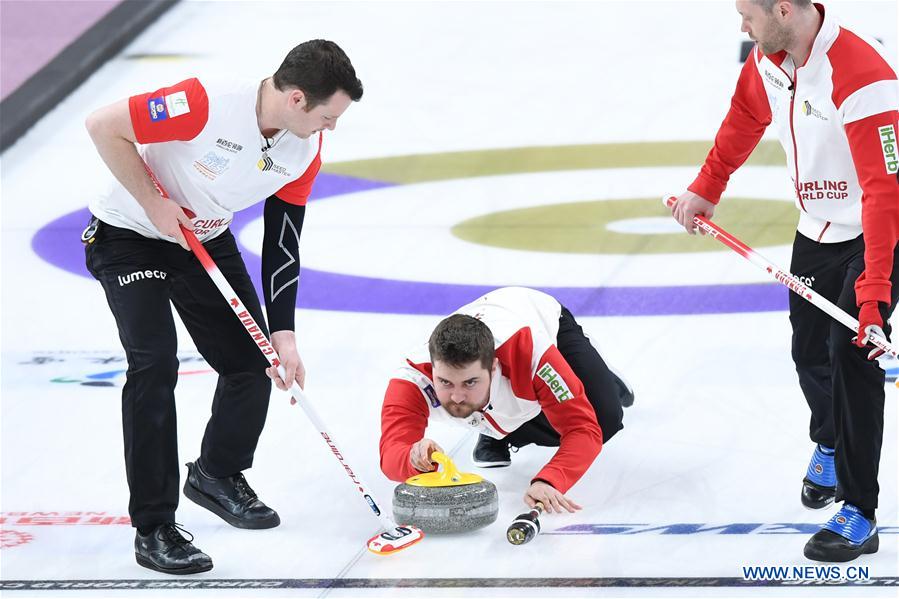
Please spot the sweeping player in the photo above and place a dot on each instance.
(217, 147)
(517, 367)
(832, 98)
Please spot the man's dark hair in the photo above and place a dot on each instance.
(319, 68)
(768, 5)
(459, 340)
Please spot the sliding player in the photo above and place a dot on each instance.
(515, 366)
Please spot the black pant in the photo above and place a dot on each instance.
(600, 384)
(142, 278)
(842, 387)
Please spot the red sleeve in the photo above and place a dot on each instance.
(297, 191)
(739, 134)
(176, 113)
(404, 418)
(857, 69)
(872, 140)
(562, 397)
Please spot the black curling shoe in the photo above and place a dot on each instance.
(625, 391)
(491, 453)
(229, 498)
(845, 537)
(165, 550)
(815, 497)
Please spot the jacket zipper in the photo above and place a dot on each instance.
(794, 81)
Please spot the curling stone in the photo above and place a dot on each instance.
(446, 501)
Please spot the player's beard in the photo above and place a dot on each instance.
(777, 38)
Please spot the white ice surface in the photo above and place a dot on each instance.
(719, 430)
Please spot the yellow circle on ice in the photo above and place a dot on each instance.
(639, 226)
(625, 226)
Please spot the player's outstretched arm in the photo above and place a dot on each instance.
(550, 497)
(404, 418)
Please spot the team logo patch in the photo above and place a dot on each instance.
(177, 104)
(809, 110)
(774, 80)
(888, 145)
(141, 275)
(265, 164)
(819, 469)
(229, 146)
(432, 396)
(211, 165)
(555, 383)
(841, 519)
(157, 109)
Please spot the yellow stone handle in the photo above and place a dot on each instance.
(449, 474)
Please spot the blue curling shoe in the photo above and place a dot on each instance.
(845, 537)
(820, 482)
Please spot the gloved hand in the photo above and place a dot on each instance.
(872, 314)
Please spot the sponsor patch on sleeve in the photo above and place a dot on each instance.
(555, 383)
(157, 109)
(432, 396)
(177, 104)
(888, 145)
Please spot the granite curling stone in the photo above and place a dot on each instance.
(446, 501)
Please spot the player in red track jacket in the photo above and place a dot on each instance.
(515, 366)
(832, 97)
(216, 147)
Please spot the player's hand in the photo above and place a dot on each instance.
(688, 205)
(420, 455)
(552, 500)
(168, 218)
(872, 314)
(285, 344)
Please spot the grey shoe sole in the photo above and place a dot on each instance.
(193, 569)
(497, 464)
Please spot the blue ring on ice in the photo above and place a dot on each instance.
(58, 243)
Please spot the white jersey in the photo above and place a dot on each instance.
(811, 105)
(202, 141)
(836, 117)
